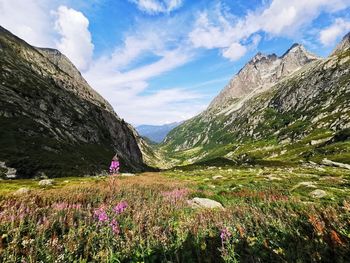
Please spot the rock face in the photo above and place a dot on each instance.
(281, 102)
(52, 121)
(262, 72)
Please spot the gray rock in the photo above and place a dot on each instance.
(198, 202)
(46, 182)
(127, 174)
(318, 193)
(331, 163)
(217, 177)
(22, 191)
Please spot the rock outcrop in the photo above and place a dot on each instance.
(52, 121)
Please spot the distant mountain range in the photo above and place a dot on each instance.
(156, 133)
(288, 109)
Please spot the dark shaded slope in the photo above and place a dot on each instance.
(52, 121)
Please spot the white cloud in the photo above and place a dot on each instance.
(215, 29)
(75, 41)
(157, 6)
(234, 52)
(329, 35)
(28, 20)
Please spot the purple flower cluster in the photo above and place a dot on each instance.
(101, 215)
(115, 226)
(120, 207)
(175, 195)
(225, 234)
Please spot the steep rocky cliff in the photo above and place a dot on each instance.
(52, 121)
(294, 107)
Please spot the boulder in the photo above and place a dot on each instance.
(198, 202)
(217, 177)
(318, 193)
(46, 182)
(22, 191)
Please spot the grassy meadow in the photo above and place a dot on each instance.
(271, 214)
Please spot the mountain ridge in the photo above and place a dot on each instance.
(53, 121)
(303, 104)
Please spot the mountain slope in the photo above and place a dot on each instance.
(52, 121)
(291, 108)
(156, 133)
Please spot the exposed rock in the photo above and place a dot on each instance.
(127, 174)
(271, 177)
(331, 163)
(315, 142)
(288, 98)
(8, 172)
(343, 45)
(204, 203)
(46, 182)
(216, 177)
(306, 184)
(22, 191)
(45, 100)
(318, 193)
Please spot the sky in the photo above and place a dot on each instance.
(163, 61)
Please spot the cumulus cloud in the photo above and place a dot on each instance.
(28, 20)
(329, 35)
(157, 6)
(215, 29)
(75, 38)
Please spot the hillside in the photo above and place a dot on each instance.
(289, 109)
(52, 122)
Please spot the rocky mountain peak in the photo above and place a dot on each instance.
(259, 74)
(343, 45)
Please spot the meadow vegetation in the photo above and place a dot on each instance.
(270, 214)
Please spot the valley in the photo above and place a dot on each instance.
(262, 175)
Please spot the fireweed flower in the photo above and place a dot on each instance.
(120, 207)
(101, 215)
(225, 234)
(115, 226)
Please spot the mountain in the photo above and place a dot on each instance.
(52, 121)
(290, 108)
(156, 133)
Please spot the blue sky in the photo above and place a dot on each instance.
(160, 61)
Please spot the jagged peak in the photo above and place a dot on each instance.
(295, 47)
(343, 45)
(261, 56)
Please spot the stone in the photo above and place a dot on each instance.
(127, 174)
(318, 193)
(46, 182)
(198, 202)
(21, 191)
(306, 184)
(331, 163)
(217, 177)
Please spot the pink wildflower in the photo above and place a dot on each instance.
(120, 207)
(175, 195)
(101, 215)
(115, 227)
(225, 234)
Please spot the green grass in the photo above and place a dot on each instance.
(268, 219)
